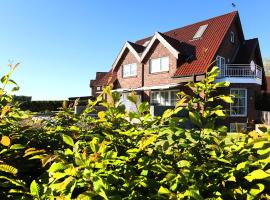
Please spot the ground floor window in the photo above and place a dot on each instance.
(239, 106)
(164, 98)
(238, 127)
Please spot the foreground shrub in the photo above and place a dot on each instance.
(133, 155)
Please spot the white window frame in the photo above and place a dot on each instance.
(129, 66)
(232, 37)
(160, 101)
(245, 108)
(160, 65)
(221, 63)
(243, 127)
(99, 88)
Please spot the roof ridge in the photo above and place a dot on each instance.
(191, 24)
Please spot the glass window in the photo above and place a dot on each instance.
(200, 31)
(164, 98)
(239, 106)
(174, 98)
(159, 65)
(154, 97)
(232, 37)
(164, 62)
(130, 70)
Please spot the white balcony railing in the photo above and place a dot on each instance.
(241, 71)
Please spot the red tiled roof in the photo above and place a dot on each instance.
(138, 48)
(109, 78)
(204, 48)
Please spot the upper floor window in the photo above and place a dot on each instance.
(232, 37)
(99, 88)
(159, 65)
(239, 106)
(130, 70)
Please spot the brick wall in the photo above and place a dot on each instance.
(161, 78)
(129, 82)
(228, 49)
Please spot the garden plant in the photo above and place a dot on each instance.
(131, 155)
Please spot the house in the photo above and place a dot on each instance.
(158, 66)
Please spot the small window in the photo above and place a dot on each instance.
(130, 70)
(99, 88)
(232, 37)
(239, 105)
(200, 31)
(238, 127)
(159, 65)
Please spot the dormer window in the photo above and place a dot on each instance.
(232, 37)
(200, 32)
(130, 70)
(159, 65)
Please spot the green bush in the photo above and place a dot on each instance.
(133, 155)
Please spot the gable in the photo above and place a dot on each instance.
(130, 47)
(203, 50)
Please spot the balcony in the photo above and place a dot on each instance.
(240, 73)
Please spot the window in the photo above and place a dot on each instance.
(238, 127)
(221, 62)
(159, 65)
(99, 88)
(239, 106)
(164, 98)
(130, 70)
(174, 97)
(200, 32)
(232, 37)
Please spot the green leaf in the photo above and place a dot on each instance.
(34, 189)
(220, 113)
(226, 99)
(68, 140)
(143, 107)
(55, 167)
(257, 174)
(255, 190)
(162, 190)
(183, 163)
(241, 165)
(8, 169)
(195, 118)
(17, 146)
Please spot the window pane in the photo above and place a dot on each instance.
(154, 97)
(126, 70)
(133, 69)
(239, 106)
(164, 64)
(155, 65)
(173, 98)
(162, 98)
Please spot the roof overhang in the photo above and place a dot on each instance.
(157, 87)
(163, 41)
(130, 48)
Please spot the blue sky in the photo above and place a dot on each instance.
(62, 43)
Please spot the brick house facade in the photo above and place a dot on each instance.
(157, 67)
